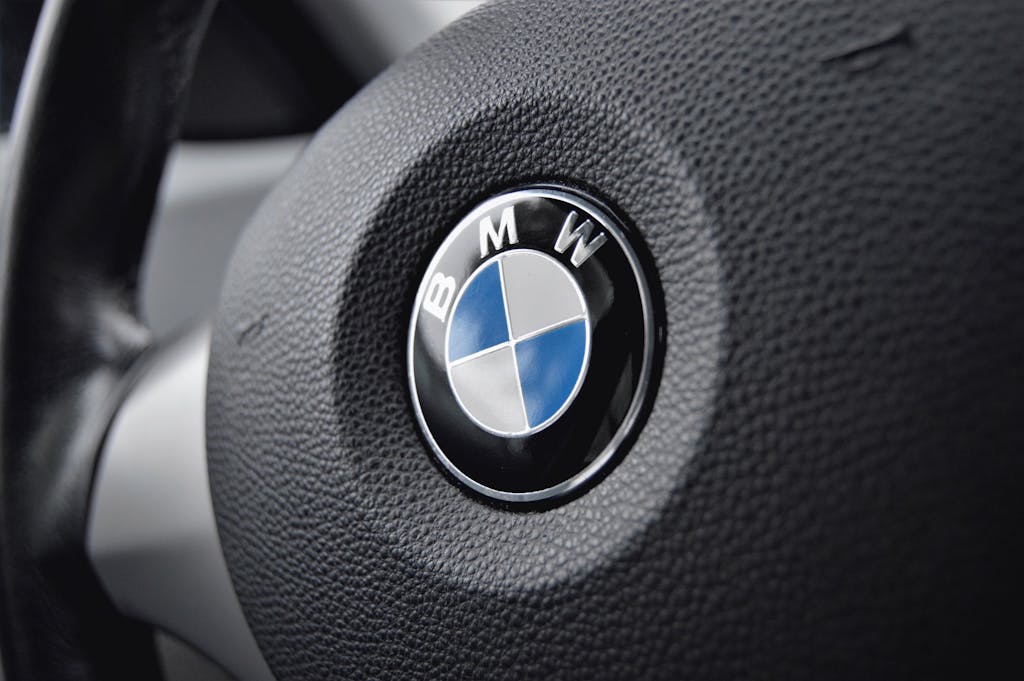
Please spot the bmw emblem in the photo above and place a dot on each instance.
(531, 345)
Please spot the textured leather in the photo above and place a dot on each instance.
(101, 107)
(829, 484)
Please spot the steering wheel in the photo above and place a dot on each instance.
(804, 462)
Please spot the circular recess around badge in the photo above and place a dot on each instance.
(531, 345)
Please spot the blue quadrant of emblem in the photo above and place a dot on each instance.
(549, 366)
(479, 319)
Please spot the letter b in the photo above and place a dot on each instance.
(439, 295)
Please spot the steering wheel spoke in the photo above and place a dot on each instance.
(152, 536)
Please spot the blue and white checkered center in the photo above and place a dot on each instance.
(518, 343)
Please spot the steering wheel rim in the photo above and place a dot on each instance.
(99, 108)
(883, 465)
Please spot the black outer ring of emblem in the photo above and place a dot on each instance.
(561, 460)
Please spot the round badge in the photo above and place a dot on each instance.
(531, 345)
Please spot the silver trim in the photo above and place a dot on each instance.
(524, 337)
(151, 535)
(551, 327)
(478, 354)
(632, 414)
(511, 345)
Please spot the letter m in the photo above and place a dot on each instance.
(506, 227)
(585, 246)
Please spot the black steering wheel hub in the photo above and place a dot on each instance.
(765, 258)
(824, 322)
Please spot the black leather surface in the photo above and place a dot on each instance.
(101, 111)
(829, 483)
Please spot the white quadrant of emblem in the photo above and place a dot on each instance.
(518, 343)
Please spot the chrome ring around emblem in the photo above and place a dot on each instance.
(531, 345)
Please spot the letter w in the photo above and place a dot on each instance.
(585, 246)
